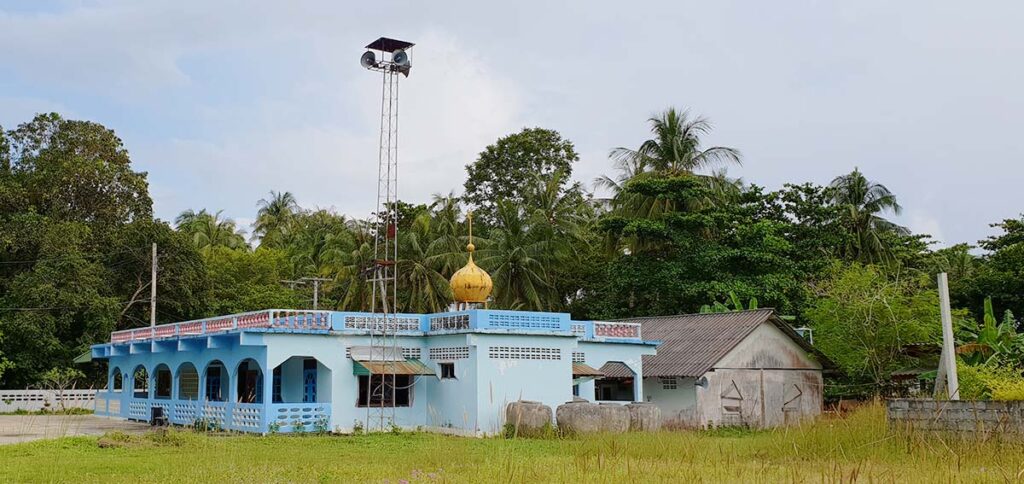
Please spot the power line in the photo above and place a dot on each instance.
(66, 257)
(48, 308)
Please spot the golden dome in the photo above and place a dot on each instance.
(471, 284)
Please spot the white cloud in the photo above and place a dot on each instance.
(451, 107)
(921, 222)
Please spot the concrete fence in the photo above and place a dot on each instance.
(33, 400)
(970, 418)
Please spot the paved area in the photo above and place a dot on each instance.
(24, 428)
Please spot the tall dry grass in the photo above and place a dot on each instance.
(855, 448)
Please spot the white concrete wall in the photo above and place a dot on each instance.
(678, 406)
(502, 381)
(452, 402)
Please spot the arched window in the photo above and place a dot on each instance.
(140, 382)
(116, 380)
(188, 382)
(163, 381)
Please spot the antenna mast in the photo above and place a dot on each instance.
(381, 393)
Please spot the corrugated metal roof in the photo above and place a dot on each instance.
(693, 343)
(581, 369)
(615, 369)
(407, 367)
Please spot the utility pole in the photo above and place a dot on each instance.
(316, 288)
(152, 291)
(291, 283)
(947, 376)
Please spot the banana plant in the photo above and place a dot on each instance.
(994, 340)
(732, 303)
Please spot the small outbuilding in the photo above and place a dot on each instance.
(742, 368)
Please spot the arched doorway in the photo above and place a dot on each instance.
(250, 382)
(301, 379)
(188, 382)
(215, 381)
(162, 382)
(140, 382)
(116, 383)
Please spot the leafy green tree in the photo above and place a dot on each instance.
(63, 304)
(862, 202)
(682, 259)
(999, 273)
(863, 318)
(503, 168)
(183, 284)
(66, 192)
(249, 281)
(77, 171)
(274, 219)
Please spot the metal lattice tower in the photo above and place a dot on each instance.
(383, 331)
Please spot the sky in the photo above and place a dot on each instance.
(222, 102)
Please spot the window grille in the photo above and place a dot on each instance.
(523, 321)
(457, 321)
(616, 330)
(380, 322)
(449, 353)
(579, 357)
(521, 353)
(416, 353)
(578, 329)
(669, 383)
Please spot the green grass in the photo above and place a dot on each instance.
(855, 448)
(66, 411)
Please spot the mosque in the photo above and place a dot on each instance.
(281, 370)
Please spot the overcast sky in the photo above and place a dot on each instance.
(222, 102)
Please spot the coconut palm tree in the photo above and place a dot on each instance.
(862, 201)
(353, 270)
(422, 288)
(318, 240)
(517, 259)
(675, 150)
(274, 218)
(210, 231)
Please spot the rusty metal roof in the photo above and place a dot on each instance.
(691, 344)
(616, 369)
(407, 367)
(581, 369)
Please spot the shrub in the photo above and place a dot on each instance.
(990, 382)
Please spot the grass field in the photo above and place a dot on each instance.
(857, 448)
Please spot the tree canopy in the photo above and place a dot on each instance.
(677, 235)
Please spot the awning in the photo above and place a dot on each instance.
(616, 369)
(410, 366)
(581, 370)
(83, 358)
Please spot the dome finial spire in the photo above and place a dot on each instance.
(471, 284)
(469, 221)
